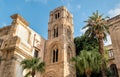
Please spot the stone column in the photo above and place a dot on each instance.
(8, 64)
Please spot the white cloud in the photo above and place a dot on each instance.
(115, 11)
(108, 42)
(83, 30)
(42, 1)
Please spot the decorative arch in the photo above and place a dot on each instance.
(54, 51)
(54, 54)
(115, 27)
(114, 70)
(50, 74)
(70, 52)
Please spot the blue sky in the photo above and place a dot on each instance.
(36, 12)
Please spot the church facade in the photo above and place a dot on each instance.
(18, 41)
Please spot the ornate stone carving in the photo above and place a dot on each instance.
(18, 19)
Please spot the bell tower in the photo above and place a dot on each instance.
(60, 44)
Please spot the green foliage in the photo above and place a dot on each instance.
(88, 61)
(33, 64)
(90, 43)
(85, 43)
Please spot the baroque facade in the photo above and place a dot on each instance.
(18, 41)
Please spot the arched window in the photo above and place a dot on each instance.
(57, 15)
(55, 31)
(55, 55)
(35, 53)
(114, 70)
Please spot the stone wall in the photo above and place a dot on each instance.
(114, 28)
(18, 42)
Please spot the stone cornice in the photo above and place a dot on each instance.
(114, 20)
(22, 53)
(18, 17)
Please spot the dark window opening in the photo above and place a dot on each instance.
(55, 56)
(36, 53)
(114, 70)
(58, 15)
(56, 32)
(55, 16)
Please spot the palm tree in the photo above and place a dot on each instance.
(97, 27)
(87, 62)
(33, 65)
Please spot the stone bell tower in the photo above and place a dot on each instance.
(60, 45)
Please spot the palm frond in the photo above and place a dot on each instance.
(33, 64)
(96, 22)
(88, 60)
(28, 74)
(41, 67)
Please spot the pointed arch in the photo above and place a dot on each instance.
(54, 52)
(50, 73)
